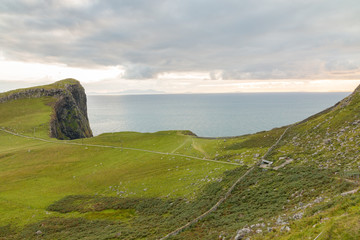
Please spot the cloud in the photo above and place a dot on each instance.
(216, 75)
(138, 72)
(338, 65)
(239, 39)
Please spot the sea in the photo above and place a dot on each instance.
(206, 115)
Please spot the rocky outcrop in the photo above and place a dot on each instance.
(69, 119)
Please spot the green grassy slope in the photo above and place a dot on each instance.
(35, 174)
(313, 195)
(54, 189)
(27, 116)
(330, 140)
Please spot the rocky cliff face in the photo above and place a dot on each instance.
(69, 119)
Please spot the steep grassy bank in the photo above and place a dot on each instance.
(329, 141)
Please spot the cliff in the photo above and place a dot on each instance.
(69, 119)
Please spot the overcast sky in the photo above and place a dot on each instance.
(179, 46)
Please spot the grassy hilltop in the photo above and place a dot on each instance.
(132, 185)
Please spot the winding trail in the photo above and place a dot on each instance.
(116, 147)
(181, 145)
(228, 192)
(198, 148)
(288, 161)
(276, 143)
(192, 222)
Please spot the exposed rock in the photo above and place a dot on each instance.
(69, 119)
(285, 228)
(279, 221)
(298, 215)
(222, 236)
(318, 200)
(38, 232)
(241, 233)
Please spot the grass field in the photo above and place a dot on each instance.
(35, 174)
(131, 185)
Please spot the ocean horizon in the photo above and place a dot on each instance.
(206, 115)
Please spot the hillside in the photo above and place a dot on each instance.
(67, 98)
(132, 185)
(326, 140)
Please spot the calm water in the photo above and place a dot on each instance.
(207, 115)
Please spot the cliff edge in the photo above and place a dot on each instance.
(69, 119)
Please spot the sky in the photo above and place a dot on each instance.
(182, 46)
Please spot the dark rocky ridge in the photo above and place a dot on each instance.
(69, 119)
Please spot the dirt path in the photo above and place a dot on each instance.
(212, 209)
(288, 161)
(181, 145)
(199, 148)
(277, 142)
(227, 194)
(115, 147)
